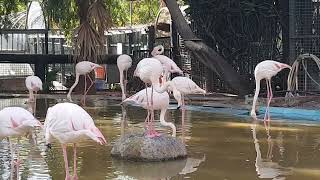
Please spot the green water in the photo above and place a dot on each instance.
(219, 147)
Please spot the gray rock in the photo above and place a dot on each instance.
(139, 147)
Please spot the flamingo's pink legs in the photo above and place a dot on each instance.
(125, 81)
(75, 176)
(85, 89)
(66, 165)
(269, 97)
(147, 121)
(152, 132)
(83, 100)
(182, 117)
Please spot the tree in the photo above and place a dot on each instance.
(204, 53)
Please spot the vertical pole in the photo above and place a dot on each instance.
(151, 39)
(131, 9)
(130, 43)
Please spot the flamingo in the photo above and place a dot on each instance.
(161, 102)
(16, 122)
(33, 84)
(124, 62)
(149, 71)
(186, 86)
(69, 123)
(83, 68)
(266, 70)
(168, 64)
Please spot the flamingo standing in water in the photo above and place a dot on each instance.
(161, 102)
(83, 68)
(168, 64)
(186, 86)
(16, 122)
(124, 62)
(33, 84)
(149, 71)
(266, 70)
(69, 123)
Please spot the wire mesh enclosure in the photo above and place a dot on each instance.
(305, 38)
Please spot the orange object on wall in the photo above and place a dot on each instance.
(100, 73)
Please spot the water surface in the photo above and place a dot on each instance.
(219, 147)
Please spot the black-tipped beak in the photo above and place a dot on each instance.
(178, 107)
(49, 146)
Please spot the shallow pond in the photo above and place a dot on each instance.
(219, 147)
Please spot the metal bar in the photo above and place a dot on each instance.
(23, 31)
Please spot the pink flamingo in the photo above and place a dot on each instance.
(83, 68)
(161, 102)
(169, 65)
(69, 123)
(266, 70)
(124, 62)
(186, 86)
(149, 71)
(33, 84)
(16, 122)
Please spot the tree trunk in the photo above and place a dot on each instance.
(83, 6)
(205, 54)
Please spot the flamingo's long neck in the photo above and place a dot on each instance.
(164, 87)
(123, 90)
(164, 123)
(255, 98)
(73, 86)
(176, 93)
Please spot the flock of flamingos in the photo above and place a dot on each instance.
(69, 123)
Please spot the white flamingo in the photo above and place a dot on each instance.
(83, 68)
(186, 86)
(169, 65)
(124, 62)
(149, 71)
(161, 102)
(16, 122)
(69, 123)
(33, 84)
(266, 70)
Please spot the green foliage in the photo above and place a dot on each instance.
(63, 13)
(10, 6)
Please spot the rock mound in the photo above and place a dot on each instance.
(139, 147)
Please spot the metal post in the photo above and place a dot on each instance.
(131, 9)
(40, 70)
(151, 37)
(46, 42)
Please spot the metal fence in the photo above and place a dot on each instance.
(304, 33)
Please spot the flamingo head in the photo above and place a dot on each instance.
(32, 123)
(99, 136)
(177, 96)
(94, 66)
(36, 86)
(282, 66)
(157, 50)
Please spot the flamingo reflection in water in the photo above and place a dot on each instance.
(266, 168)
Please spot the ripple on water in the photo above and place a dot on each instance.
(219, 147)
